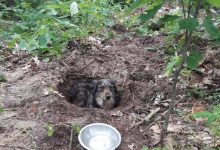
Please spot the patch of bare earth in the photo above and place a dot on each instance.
(33, 96)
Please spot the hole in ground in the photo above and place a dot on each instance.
(84, 91)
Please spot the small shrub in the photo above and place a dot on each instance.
(213, 120)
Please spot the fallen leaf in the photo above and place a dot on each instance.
(155, 129)
(176, 128)
(207, 81)
(131, 146)
(117, 114)
(59, 94)
(198, 107)
(26, 67)
(34, 107)
(36, 60)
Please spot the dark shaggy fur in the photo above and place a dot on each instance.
(105, 94)
(97, 93)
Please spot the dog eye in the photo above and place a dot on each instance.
(111, 87)
(101, 88)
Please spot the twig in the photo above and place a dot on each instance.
(65, 65)
(147, 118)
(71, 139)
(151, 124)
(101, 54)
(182, 98)
(184, 11)
(86, 65)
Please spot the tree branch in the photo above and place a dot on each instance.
(184, 11)
(188, 36)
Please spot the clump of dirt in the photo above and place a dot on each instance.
(140, 74)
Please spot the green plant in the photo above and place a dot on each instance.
(76, 128)
(2, 77)
(213, 121)
(213, 97)
(50, 130)
(145, 148)
(188, 24)
(197, 93)
(44, 27)
(1, 109)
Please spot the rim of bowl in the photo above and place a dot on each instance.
(117, 132)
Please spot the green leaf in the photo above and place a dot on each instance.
(168, 18)
(193, 59)
(170, 66)
(57, 47)
(16, 37)
(1, 109)
(150, 13)
(188, 24)
(2, 77)
(211, 117)
(76, 128)
(47, 59)
(214, 2)
(32, 45)
(43, 41)
(50, 130)
(213, 32)
(203, 114)
(22, 44)
(136, 5)
(145, 148)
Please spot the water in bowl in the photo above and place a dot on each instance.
(101, 142)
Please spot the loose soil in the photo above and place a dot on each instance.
(35, 96)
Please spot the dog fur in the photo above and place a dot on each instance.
(96, 93)
(105, 94)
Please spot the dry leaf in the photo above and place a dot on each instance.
(131, 146)
(198, 107)
(34, 108)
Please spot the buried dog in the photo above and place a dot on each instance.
(105, 94)
(98, 93)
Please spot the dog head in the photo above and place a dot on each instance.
(105, 94)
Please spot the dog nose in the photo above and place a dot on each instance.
(108, 97)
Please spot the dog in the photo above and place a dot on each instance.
(104, 94)
(96, 93)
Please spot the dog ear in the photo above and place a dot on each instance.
(117, 96)
(112, 81)
(94, 90)
(114, 85)
(72, 93)
(94, 86)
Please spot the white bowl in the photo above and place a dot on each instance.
(99, 136)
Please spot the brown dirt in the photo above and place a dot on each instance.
(32, 101)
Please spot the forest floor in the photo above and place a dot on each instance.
(32, 97)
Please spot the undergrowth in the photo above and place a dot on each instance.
(213, 121)
(209, 96)
(44, 27)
